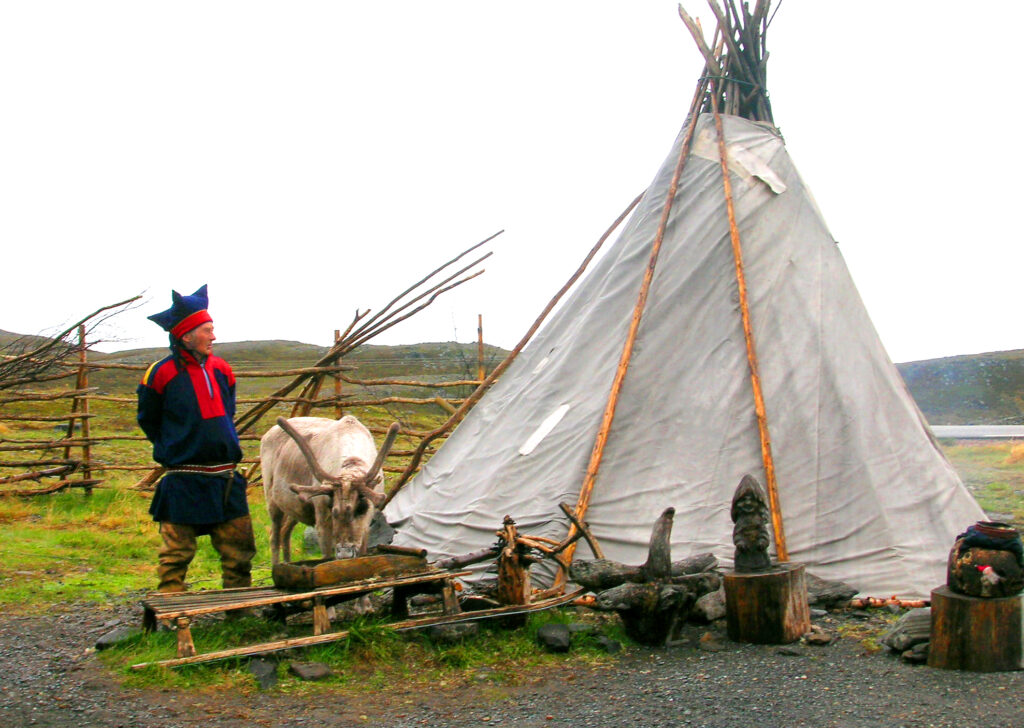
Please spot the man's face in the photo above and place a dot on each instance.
(200, 339)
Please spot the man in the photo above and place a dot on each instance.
(186, 409)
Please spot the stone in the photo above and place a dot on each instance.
(607, 644)
(790, 651)
(916, 655)
(265, 672)
(709, 643)
(581, 628)
(380, 531)
(709, 607)
(828, 594)
(116, 636)
(911, 629)
(554, 637)
(309, 671)
(310, 541)
(818, 636)
(451, 634)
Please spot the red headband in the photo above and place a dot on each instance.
(190, 322)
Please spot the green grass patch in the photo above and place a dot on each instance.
(370, 659)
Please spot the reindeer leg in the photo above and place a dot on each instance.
(276, 517)
(287, 525)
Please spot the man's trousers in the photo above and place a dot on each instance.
(232, 539)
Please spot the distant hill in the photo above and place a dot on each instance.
(979, 389)
(975, 389)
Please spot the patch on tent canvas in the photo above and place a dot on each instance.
(540, 365)
(541, 432)
(741, 158)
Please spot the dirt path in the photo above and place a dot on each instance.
(49, 677)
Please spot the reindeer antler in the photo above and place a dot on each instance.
(307, 452)
(365, 486)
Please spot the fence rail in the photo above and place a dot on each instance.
(83, 451)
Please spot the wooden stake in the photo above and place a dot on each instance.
(781, 551)
(414, 463)
(337, 382)
(597, 453)
(480, 373)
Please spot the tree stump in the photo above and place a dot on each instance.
(975, 633)
(651, 599)
(767, 607)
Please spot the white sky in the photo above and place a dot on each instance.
(309, 158)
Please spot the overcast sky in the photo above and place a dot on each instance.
(309, 158)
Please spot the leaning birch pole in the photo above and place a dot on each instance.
(748, 335)
(597, 453)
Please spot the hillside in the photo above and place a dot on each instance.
(972, 389)
(979, 389)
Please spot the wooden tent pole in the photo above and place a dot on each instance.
(337, 382)
(755, 378)
(472, 399)
(583, 501)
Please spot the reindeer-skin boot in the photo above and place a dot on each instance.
(175, 555)
(236, 545)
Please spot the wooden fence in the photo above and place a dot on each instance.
(80, 452)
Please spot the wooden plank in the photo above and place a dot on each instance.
(185, 604)
(409, 624)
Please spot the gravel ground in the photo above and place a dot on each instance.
(50, 677)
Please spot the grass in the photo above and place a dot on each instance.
(994, 475)
(371, 659)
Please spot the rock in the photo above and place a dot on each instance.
(309, 671)
(916, 655)
(450, 634)
(828, 594)
(310, 541)
(380, 531)
(608, 644)
(818, 636)
(581, 628)
(265, 672)
(709, 607)
(911, 629)
(790, 651)
(116, 635)
(819, 613)
(708, 643)
(554, 637)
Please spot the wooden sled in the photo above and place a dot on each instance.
(176, 608)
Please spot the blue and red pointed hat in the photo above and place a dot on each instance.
(185, 313)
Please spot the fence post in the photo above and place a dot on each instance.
(480, 373)
(337, 382)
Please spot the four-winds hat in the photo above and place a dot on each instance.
(185, 313)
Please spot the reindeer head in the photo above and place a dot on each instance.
(351, 492)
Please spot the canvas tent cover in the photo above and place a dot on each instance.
(866, 495)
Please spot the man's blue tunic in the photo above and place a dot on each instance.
(187, 410)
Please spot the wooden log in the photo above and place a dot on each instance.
(320, 573)
(599, 574)
(659, 550)
(975, 633)
(769, 607)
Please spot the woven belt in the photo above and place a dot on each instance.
(223, 471)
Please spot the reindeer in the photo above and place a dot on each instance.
(325, 473)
